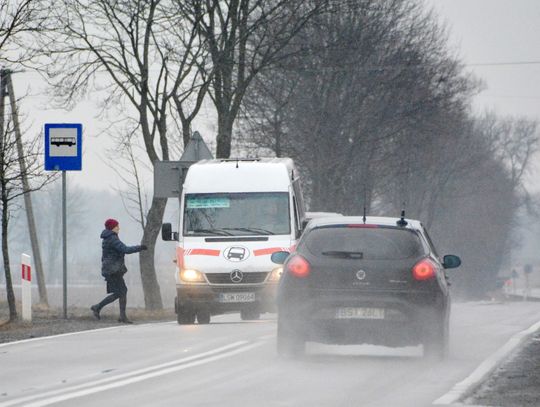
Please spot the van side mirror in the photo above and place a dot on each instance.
(167, 234)
(279, 257)
(450, 261)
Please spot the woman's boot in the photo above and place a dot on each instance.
(96, 309)
(123, 318)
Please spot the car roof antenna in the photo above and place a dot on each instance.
(237, 163)
(364, 217)
(402, 222)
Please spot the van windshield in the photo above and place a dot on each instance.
(246, 213)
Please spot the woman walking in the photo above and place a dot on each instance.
(113, 269)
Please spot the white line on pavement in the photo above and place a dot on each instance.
(86, 331)
(132, 377)
(485, 368)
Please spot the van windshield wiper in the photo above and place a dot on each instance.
(344, 254)
(253, 230)
(220, 232)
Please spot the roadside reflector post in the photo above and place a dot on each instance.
(26, 287)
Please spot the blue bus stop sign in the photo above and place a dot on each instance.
(63, 146)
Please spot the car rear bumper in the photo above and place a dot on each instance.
(263, 297)
(405, 321)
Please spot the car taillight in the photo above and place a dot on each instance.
(299, 267)
(424, 270)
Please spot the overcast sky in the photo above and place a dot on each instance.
(499, 40)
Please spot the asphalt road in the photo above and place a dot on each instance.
(234, 363)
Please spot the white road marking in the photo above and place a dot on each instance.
(86, 331)
(486, 367)
(132, 377)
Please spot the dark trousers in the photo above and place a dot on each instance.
(117, 289)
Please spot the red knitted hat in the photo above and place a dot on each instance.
(111, 224)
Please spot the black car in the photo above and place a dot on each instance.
(355, 280)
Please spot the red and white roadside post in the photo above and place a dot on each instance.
(26, 286)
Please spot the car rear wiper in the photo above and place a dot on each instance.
(253, 230)
(344, 254)
(220, 232)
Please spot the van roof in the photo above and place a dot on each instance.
(240, 175)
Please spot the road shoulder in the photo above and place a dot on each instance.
(469, 390)
(515, 382)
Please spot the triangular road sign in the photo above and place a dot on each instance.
(196, 149)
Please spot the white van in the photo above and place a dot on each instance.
(233, 215)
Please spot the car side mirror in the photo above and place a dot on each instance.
(450, 261)
(279, 257)
(167, 234)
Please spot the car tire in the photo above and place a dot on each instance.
(249, 314)
(436, 346)
(185, 315)
(203, 317)
(290, 344)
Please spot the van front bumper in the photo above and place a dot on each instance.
(223, 298)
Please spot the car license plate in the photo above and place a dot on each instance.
(236, 297)
(359, 313)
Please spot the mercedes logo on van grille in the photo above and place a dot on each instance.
(236, 276)
(360, 274)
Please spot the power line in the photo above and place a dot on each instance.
(491, 95)
(505, 63)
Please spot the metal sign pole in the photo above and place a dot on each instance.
(64, 242)
(63, 152)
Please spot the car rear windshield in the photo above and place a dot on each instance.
(382, 243)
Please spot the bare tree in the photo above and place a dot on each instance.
(243, 37)
(264, 119)
(370, 81)
(476, 219)
(127, 50)
(127, 165)
(12, 187)
(375, 110)
(17, 19)
(20, 20)
(514, 141)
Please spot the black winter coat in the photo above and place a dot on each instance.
(112, 258)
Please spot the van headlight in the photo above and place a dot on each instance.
(191, 276)
(275, 275)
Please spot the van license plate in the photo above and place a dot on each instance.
(236, 297)
(359, 313)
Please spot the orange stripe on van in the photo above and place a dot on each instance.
(269, 250)
(180, 257)
(202, 252)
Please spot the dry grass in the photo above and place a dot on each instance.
(50, 321)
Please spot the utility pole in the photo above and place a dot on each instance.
(5, 77)
(9, 281)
